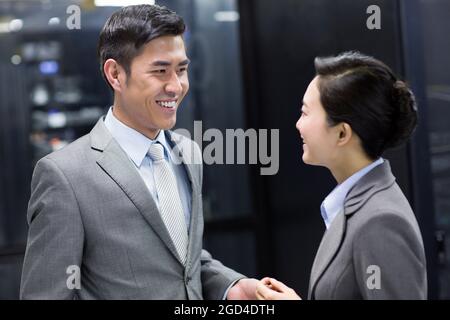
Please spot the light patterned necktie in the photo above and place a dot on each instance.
(169, 200)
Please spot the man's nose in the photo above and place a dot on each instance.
(173, 85)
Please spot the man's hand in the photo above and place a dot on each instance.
(271, 289)
(244, 289)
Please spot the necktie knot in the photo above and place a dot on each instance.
(156, 151)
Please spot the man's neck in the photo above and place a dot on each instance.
(122, 117)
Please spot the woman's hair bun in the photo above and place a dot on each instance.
(405, 119)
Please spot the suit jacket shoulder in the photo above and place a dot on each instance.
(376, 237)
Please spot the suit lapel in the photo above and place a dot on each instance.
(194, 225)
(118, 166)
(328, 248)
(379, 178)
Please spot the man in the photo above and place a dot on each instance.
(115, 215)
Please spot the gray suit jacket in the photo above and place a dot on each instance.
(374, 249)
(89, 208)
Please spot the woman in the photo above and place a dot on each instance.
(353, 110)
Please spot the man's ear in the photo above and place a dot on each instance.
(345, 133)
(113, 72)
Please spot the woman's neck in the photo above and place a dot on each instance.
(347, 166)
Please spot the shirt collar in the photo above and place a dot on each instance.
(334, 202)
(134, 143)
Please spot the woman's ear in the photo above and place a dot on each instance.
(112, 71)
(345, 133)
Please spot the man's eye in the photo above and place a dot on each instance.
(182, 70)
(159, 71)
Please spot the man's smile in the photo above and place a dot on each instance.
(168, 104)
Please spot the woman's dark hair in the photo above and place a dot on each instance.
(130, 28)
(364, 93)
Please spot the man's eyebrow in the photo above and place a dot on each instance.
(162, 63)
(184, 62)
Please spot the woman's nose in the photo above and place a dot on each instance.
(298, 124)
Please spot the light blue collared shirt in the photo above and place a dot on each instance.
(334, 202)
(136, 146)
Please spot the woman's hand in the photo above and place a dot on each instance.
(271, 289)
(243, 289)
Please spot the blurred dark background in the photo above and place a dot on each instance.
(251, 63)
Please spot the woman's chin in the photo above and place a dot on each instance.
(306, 160)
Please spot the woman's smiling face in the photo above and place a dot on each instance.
(319, 139)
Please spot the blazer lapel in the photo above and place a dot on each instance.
(379, 178)
(118, 166)
(328, 248)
